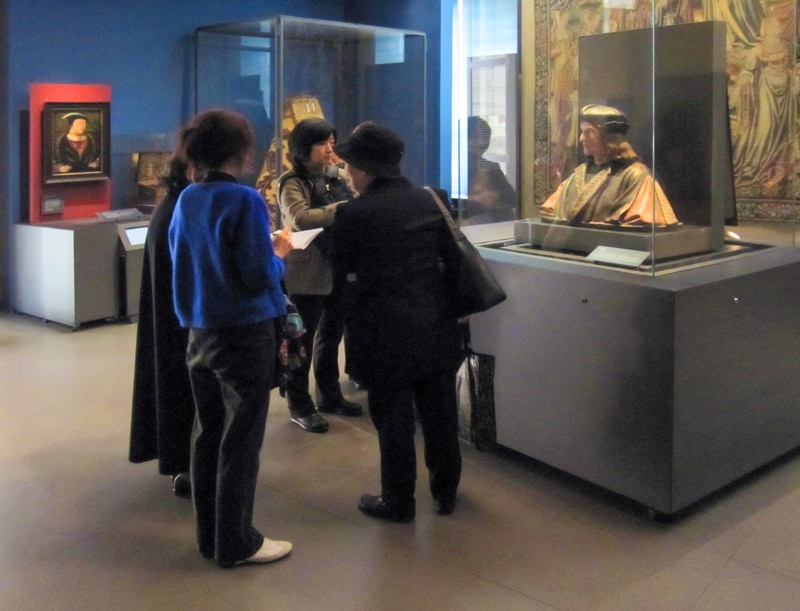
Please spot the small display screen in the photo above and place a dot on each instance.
(136, 235)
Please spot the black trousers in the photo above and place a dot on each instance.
(330, 332)
(230, 369)
(391, 407)
(324, 321)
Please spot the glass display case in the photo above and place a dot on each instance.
(648, 343)
(708, 92)
(279, 70)
(650, 184)
(485, 125)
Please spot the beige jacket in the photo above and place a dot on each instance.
(308, 271)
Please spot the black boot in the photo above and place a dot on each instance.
(340, 406)
(182, 485)
(313, 422)
(376, 507)
(306, 416)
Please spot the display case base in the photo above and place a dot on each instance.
(663, 389)
(663, 244)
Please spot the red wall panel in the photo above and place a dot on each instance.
(81, 200)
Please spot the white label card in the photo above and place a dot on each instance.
(624, 257)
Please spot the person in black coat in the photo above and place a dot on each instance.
(392, 244)
(163, 408)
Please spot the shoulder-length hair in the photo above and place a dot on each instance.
(216, 138)
(304, 136)
(618, 147)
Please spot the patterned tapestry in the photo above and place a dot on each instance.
(763, 69)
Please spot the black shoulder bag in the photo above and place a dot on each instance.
(476, 288)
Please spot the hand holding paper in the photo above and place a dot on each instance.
(282, 242)
(301, 239)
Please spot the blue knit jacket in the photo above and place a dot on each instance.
(225, 272)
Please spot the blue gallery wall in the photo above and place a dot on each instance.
(423, 16)
(146, 54)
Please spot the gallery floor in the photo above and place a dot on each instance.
(82, 528)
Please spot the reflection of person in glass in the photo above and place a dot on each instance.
(76, 149)
(490, 198)
(613, 189)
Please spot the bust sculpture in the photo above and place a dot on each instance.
(613, 189)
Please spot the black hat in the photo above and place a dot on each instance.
(375, 149)
(607, 118)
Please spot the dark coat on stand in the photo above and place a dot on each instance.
(163, 406)
(391, 243)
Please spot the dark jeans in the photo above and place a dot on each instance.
(391, 406)
(330, 332)
(324, 323)
(230, 370)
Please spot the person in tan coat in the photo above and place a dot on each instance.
(308, 196)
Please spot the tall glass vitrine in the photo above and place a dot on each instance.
(709, 89)
(282, 69)
(662, 348)
(485, 170)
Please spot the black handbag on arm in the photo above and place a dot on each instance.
(476, 288)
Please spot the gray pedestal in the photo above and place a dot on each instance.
(662, 389)
(66, 271)
(79, 271)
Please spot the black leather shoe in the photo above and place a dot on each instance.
(444, 506)
(340, 407)
(181, 485)
(376, 507)
(313, 423)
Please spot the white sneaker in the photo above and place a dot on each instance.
(270, 551)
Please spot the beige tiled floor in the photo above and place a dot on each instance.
(81, 528)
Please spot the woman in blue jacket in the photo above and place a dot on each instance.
(226, 287)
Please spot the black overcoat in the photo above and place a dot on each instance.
(394, 247)
(163, 407)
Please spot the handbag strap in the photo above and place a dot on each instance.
(466, 340)
(458, 236)
(445, 212)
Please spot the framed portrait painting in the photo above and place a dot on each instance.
(75, 142)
